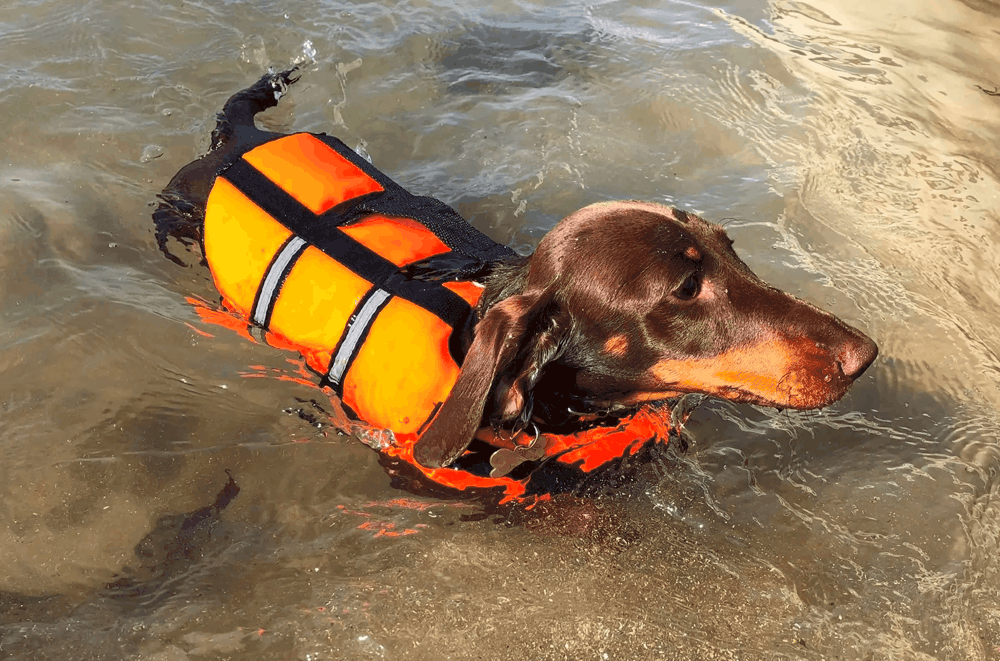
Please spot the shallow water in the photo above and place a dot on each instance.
(851, 149)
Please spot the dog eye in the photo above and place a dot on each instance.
(689, 288)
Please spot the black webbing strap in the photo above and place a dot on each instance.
(321, 231)
(446, 223)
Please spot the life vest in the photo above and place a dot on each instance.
(309, 245)
(308, 241)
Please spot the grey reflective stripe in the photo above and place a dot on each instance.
(356, 330)
(272, 281)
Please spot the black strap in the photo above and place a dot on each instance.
(446, 223)
(321, 231)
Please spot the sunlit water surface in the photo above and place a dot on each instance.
(851, 148)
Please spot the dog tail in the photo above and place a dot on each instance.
(241, 107)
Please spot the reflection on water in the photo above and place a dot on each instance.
(849, 148)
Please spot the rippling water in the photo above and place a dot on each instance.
(850, 147)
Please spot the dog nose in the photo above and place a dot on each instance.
(855, 356)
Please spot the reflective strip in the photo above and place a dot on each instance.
(357, 328)
(276, 273)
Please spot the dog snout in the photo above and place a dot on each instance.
(856, 355)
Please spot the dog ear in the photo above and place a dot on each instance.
(543, 343)
(500, 339)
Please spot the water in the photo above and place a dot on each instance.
(851, 149)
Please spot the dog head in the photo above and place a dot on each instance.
(638, 302)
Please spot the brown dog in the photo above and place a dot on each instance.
(622, 304)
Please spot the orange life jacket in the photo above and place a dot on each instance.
(307, 240)
(310, 243)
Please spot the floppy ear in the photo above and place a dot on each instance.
(500, 336)
(544, 343)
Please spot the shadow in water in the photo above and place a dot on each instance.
(174, 544)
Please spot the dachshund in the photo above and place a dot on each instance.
(623, 305)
